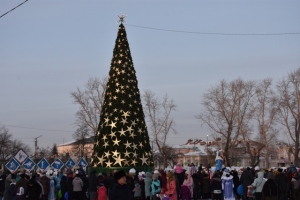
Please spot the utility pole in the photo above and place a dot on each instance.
(35, 146)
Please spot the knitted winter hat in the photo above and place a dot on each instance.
(119, 175)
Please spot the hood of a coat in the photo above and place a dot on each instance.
(148, 175)
(260, 175)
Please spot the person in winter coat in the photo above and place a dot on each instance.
(141, 181)
(246, 179)
(196, 188)
(20, 194)
(137, 191)
(77, 187)
(85, 186)
(188, 181)
(8, 180)
(227, 185)
(236, 182)
(295, 187)
(12, 188)
(101, 192)
(155, 187)
(110, 181)
(34, 189)
(93, 182)
(258, 185)
(171, 187)
(51, 195)
(130, 181)
(45, 181)
(148, 181)
(200, 177)
(70, 186)
(163, 179)
(282, 184)
(38, 181)
(22, 183)
(193, 169)
(185, 193)
(216, 186)
(179, 173)
(120, 191)
(2, 185)
(269, 191)
(206, 193)
(63, 186)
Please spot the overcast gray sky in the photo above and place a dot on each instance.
(48, 48)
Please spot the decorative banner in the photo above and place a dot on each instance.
(57, 164)
(70, 163)
(43, 164)
(21, 156)
(82, 163)
(12, 165)
(28, 164)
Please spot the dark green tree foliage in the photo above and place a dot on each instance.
(122, 139)
(54, 150)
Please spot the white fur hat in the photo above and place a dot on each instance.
(132, 171)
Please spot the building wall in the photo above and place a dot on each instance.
(73, 151)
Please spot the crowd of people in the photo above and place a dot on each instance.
(176, 184)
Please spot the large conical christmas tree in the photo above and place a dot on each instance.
(122, 140)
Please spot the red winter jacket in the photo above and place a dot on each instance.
(102, 193)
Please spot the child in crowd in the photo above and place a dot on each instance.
(137, 190)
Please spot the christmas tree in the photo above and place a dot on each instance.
(122, 139)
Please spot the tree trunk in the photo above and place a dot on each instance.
(267, 155)
(296, 152)
(227, 160)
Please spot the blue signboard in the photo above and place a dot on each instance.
(70, 163)
(57, 164)
(12, 165)
(28, 164)
(82, 163)
(43, 164)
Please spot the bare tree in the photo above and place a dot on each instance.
(228, 110)
(81, 136)
(158, 114)
(90, 101)
(16, 145)
(289, 104)
(265, 115)
(167, 158)
(9, 146)
(5, 139)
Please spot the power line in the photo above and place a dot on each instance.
(14, 8)
(41, 129)
(211, 33)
